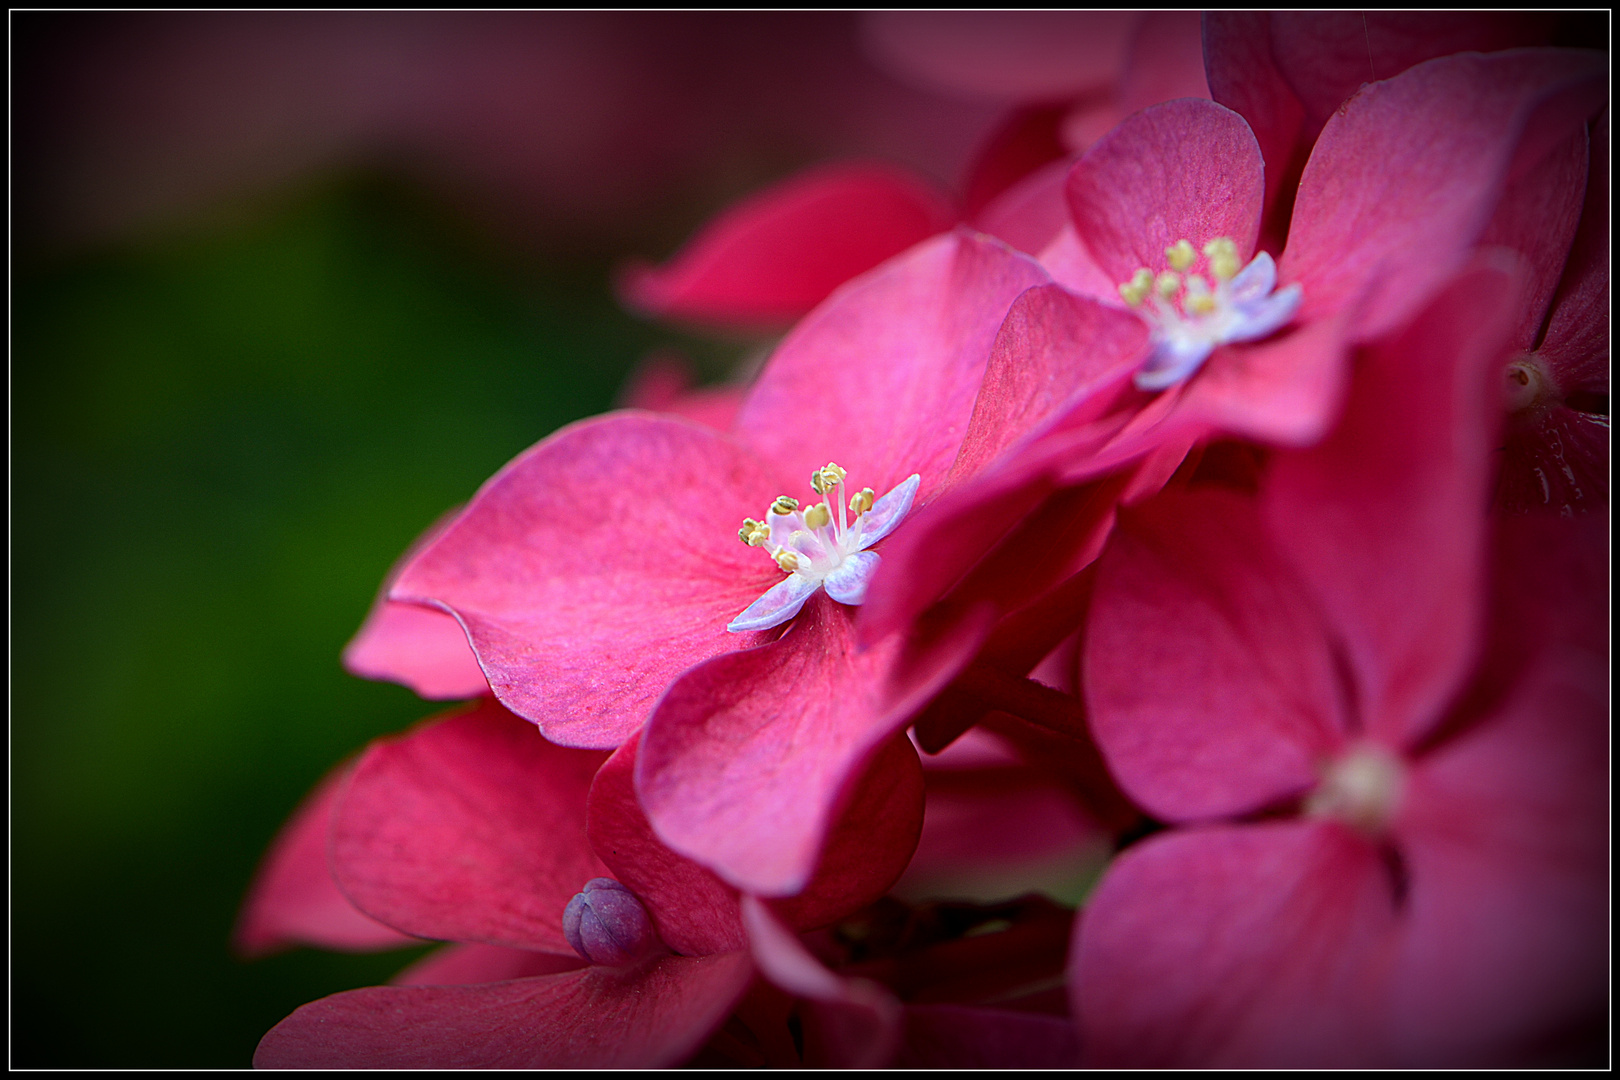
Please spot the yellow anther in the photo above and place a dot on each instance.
(862, 501)
(784, 504)
(1167, 284)
(817, 516)
(1134, 291)
(1223, 258)
(753, 533)
(1181, 254)
(824, 478)
(787, 560)
(1198, 300)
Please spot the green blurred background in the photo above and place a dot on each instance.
(219, 445)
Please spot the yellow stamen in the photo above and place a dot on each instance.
(1167, 284)
(753, 533)
(817, 516)
(1135, 290)
(1181, 254)
(862, 501)
(787, 560)
(1198, 300)
(1223, 258)
(824, 478)
(784, 504)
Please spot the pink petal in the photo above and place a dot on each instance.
(774, 256)
(1243, 75)
(1073, 267)
(963, 1037)
(1026, 143)
(294, 900)
(881, 378)
(1208, 674)
(422, 648)
(1002, 55)
(663, 383)
(695, 912)
(468, 965)
(1031, 213)
(1327, 56)
(1576, 343)
(579, 608)
(1456, 126)
(1557, 460)
(1187, 169)
(1254, 946)
(994, 833)
(1384, 520)
(654, 1014)
(1054, 353)
(857, 1023)
(1537, 217)
(750, 756)
(1165, 61)
(470, 828)
(1287, 390)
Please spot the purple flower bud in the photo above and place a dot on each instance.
(606, 924)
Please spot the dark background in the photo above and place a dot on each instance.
(248, 368)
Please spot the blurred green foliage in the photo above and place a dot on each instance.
(219, 445)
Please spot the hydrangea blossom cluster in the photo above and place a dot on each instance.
(1242, 554)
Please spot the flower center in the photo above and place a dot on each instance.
(1190, 314)
(1528, 384)
(813, 540)
(1362, 788)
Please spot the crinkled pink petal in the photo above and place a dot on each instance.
(470, 828)
(1260, 946)
(1184, 170)
(882, 377)
(857, 1023)
(468, 965)
(965, 1037)
(599, 565)
(749, 757)
(1002, 55)
(771, 258)
(294, 900)
(694, 912)
(663, 383)
(654, 1014)
(1456, 126)
(1209, 677)
(422, 648)
(1385, 519)
(1165, 61)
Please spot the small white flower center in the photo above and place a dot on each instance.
(1190, 315)
(812, 541)
(1528, 384)
(1362, 788)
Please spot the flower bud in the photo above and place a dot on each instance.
(606, 924)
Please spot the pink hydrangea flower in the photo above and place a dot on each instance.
(1386, 780)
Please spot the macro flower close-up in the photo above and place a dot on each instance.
(971, 540)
